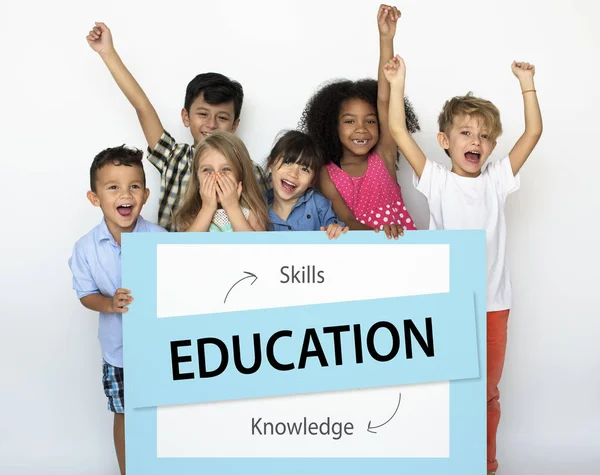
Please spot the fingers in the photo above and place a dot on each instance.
(334, 230)
(121, 300)
(387, 231)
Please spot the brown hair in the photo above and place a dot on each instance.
(126, 156)
(472, 106)
(237, 154)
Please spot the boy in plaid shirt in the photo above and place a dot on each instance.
(213, 103)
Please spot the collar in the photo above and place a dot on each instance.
(103, 233)
(303, 199)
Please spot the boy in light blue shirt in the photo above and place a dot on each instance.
(118, 188)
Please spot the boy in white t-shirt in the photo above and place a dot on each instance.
(467, 197)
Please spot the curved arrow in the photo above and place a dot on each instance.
(381, 425)
(250, 274)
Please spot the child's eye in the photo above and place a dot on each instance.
(202, 114)
(349, 121)
(135, 186)
(112, 187)
(306, 169)
(371, 121)
(226, 169)
(465, 132)
(223, 118)
(484, 136)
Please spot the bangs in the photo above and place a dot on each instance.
(296, 148)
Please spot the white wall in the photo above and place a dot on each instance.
(59, 107)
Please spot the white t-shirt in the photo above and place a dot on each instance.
(457, 202)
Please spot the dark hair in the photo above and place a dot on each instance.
(217, 89)
(116, 156)
(320, 116)
(296, 147)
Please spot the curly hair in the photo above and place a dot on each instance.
(320, 116)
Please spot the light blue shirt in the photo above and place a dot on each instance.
(96, 268)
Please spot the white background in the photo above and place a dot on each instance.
(59, 107)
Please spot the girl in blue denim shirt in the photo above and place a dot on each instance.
(293, 204)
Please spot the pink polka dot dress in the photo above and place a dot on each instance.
(375, 198)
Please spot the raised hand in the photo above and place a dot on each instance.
(395, 69)
(208, 192)
(228, 191)
(120, 301)
(100, 38)
(387, 17)
(523, 71)
(334, 230)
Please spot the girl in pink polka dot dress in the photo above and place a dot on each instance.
(348, 121)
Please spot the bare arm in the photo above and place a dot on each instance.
(116, 304)
(533, 117)
(395, 72)
(339, 205)
(386, 148)
(100, 40)
(202, 221)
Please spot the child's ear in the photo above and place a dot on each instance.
(443, 140)
(493, 147)
(185, 117)
(235, 126)
(146, 195)
(93, 198)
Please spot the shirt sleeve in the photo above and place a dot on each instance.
(83, 282)
(160, 155)
(326, 213)
(502, 176)
(432, 179)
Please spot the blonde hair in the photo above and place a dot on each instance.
(236, 153)
(471, 106)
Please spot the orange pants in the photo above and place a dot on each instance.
(497, 324)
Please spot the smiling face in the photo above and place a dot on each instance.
(204, 119)
(121, 193)
(358, 128)
(468, 143)
(290, 180)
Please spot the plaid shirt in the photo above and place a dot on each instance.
(174, 162)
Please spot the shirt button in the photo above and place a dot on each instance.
(290, 228)
(308, 216)
(335, 221)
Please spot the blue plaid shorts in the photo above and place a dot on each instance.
(112, 380)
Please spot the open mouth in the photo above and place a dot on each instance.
(473, 157)
(288, 186)
(360, 142)
(125, 210)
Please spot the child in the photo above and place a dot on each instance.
(118, 187)
(468, 197)
(223, 194)
(294, 164)
(349, 122)
(213, 103)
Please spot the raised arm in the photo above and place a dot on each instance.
(340, 208)
(395, 73)
(387, 17)
(100, 40)
(533, 117)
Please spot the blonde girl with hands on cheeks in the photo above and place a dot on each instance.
(223, 194)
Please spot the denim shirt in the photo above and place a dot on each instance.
(311, 211)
